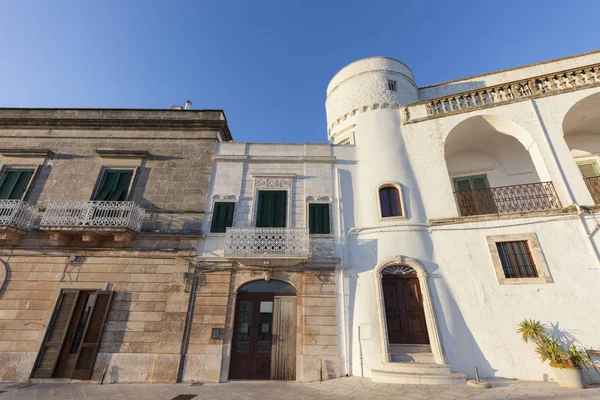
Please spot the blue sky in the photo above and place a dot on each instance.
(266, 63)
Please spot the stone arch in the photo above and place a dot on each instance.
(276, 286)
(502, 146)
(431, 321)
(581, 126)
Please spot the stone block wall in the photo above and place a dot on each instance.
(316, 331)
(142, 337)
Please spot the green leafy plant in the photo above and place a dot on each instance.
(549, 349)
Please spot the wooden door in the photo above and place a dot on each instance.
(404, 310)
(252, 336)
(88, 346)
(70, 349)
(283, 353)
(55, 336)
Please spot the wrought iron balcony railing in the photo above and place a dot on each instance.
(16, 214)
(508, 199)
(99, 214)
(593, 184)
(260, 242)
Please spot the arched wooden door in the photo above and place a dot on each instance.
(264, 334)
(404, 312)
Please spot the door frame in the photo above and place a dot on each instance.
(430, 320)
(241, 280)
(47, 320)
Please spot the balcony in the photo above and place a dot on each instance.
(543, 85)
(593, 185)
(16, 217)
(267, 246)
(508, 199)
(93, 220)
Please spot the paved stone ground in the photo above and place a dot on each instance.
(345, 388)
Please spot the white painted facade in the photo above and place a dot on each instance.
(384, 136)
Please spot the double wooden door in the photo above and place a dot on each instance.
(73, 337)
(264, 337)
(404, 310)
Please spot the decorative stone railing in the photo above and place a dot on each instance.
(16, 214)
(266, 243)
(508, 199)
(558, 82)
(97, 214)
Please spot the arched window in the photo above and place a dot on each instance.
(389, 200)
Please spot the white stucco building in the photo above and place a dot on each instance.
(466, 207)
(409, 247)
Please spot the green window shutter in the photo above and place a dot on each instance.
(271, 209)
(471, 183)
(588, 169)
(113, 186)
(14, 183)
(222, 217)
(318, 219)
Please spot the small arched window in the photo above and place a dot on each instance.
(389, 200)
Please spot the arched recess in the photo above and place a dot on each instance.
(431, 322)
(581, 131)
(489, 151)
(265, 328)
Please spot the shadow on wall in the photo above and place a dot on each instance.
(112, 342)
(5, 275)
(461, 348)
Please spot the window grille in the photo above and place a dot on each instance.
(392, 86)
(516, 259)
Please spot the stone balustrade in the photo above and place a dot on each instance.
(555, 83)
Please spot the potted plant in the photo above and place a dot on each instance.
(566, 360)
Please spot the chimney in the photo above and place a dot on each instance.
(188, 104)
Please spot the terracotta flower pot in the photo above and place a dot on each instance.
(568, 376)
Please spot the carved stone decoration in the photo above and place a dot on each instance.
(399, 270)
(274, 182)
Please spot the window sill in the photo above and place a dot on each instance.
(321, 235)
(525, 281)
(215, 234)
(392, 219)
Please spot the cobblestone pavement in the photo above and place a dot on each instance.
(345, 388)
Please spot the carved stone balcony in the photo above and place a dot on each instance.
(508, 199)
(267, 247)
(93, 220)
(497, 95)
(16, 217)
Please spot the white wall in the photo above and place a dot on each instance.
(477, 316)
(232, 179)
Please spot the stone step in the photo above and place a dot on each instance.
(426, 358)
(417, 368)
(381, 376)
(409, 348)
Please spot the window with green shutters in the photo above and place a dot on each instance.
(222, 217)
(14, 183)
(271, 209)
(114, 185)
(318, 219)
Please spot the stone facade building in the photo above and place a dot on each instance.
(269, 261)
(101, 217)
(146, 246)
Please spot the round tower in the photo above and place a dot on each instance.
(363, 106)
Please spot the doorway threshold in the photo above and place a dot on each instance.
(61, 381)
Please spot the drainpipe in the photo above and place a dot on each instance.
(188, 327)
(345, 307)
